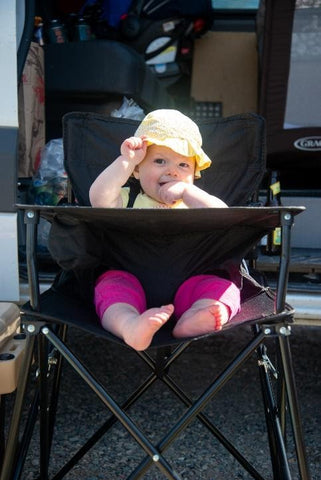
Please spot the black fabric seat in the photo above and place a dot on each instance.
(75, 306)
(85, 240)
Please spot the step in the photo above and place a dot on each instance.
(12, 345)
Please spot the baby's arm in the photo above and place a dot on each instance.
(192, 196)
(105, 190)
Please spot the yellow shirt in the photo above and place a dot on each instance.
(144, 201)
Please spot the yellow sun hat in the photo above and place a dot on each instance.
(171, 128)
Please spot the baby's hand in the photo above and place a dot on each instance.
(171, 192)
(134, 148)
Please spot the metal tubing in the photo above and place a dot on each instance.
(205, 421)
(104, 428)
(13, 435)
(195, 409)
(31, 220)
(287, 222)
(28, 431)
(44, 414)
(56, 385)
(27, 435)
(281, 392)
(293, 406)
(214, 430)
(177, 352)
(279, 460)
(130, 426)
(286, 225)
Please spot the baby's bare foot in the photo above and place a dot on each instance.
(205, 316)
(140, 330)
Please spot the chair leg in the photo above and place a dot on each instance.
(279, 460)
(281, 395)
(293, 403)
(57, 363)
(47, 432)
(47, 402)
(27, 435)
(112, 420)
(275, 407)
(130, 426)
(209, 425)
(200, 404)
(11, 450)
(104, 428)
(44, 442)
(162, 369)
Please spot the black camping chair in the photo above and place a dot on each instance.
(290, 90)
(83, 239)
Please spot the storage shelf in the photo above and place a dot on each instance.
(303, 260)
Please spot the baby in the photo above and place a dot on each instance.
(165, 155)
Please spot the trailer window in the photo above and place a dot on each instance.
(235, 4)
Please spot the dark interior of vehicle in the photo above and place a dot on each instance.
(119, 60)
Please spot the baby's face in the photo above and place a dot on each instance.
(162, 165)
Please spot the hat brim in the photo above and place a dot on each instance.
(184, 147)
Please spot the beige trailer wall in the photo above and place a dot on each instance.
(225, 66)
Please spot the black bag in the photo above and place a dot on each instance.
(73, 245)
(164, 23)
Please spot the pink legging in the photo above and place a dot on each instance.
(118, 286)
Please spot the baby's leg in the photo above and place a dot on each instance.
(121, 305)
(137, 330)
(203, 304)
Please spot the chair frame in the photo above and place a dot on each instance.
(38, 328)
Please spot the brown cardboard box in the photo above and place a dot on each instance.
(31, 112)
(225, 69)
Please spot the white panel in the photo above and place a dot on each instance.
(307, 307)
(306, 232)
(303, 102)
(21, 12)
(307, 226)
(8, 62)
(9, 276)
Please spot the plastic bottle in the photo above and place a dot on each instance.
(38, 31)
(273, 243)
(82, 30)
(57, 33)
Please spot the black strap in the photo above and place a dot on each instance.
(136, 7)
(134, 189)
